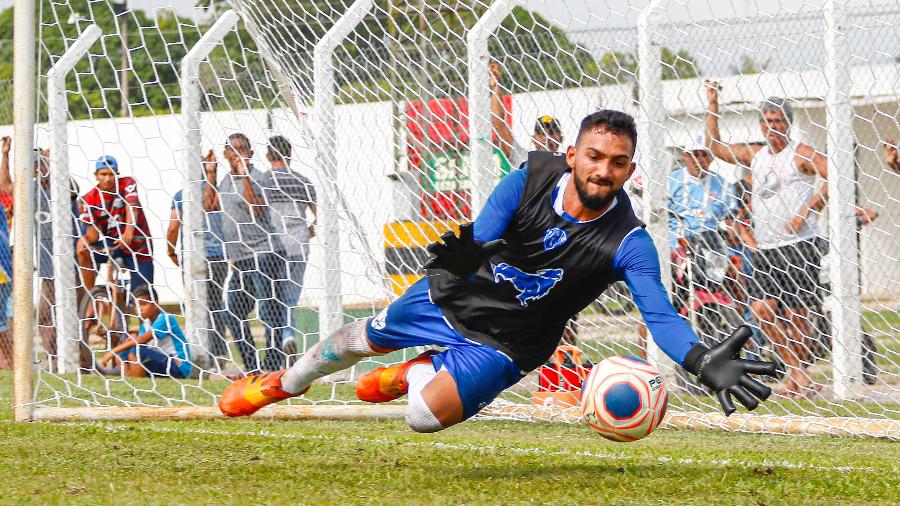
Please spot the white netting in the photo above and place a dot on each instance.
(396, 172)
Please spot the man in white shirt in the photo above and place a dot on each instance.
(785, 204)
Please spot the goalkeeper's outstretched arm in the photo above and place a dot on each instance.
(719, 368)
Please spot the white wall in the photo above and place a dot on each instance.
(148, 148)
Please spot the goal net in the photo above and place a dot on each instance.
(397, 119)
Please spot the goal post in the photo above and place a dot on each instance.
(651, 153)
(24, 87)
(196, 313)
(391, 114)
(64, 273)
(846, 324)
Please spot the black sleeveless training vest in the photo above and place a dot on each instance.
(519, 301)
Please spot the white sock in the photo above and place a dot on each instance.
(335, 353)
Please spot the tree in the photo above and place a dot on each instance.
(617, 67)
(156, 47)
(402, 52)
(539, 56)
(748, 66)
(678, 65)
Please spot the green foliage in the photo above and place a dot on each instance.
(405, 57)
(748, 66)
(419, 63)
(617, 67)
(155, 48)
(539, 56)
(678, 64)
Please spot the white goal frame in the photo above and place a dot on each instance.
(652, 155)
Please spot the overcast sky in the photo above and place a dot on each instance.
(580, 14)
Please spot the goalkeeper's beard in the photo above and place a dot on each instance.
(594, 202)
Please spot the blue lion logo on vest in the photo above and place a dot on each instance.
(554, 238)
(530, 286)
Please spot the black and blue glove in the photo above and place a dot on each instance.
(462, 256)
(723, 370)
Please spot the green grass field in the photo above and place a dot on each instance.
(483, 462)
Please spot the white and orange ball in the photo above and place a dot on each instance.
(624, 398)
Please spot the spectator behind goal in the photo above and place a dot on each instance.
(45, 261)
(785, 204)
(114, 223)
(289, 195)
(256, 257)
(216, 266)
(6, 342)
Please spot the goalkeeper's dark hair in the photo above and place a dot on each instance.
(279, 149)
(614, 122)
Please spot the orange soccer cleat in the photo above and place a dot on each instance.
(246, 395)
(385, 384)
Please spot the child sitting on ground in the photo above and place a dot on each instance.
(169, 356)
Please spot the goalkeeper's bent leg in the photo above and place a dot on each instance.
(337, 352)
(419, 416)
(434, 402)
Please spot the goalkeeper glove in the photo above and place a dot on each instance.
(462, 256)
(721, 369)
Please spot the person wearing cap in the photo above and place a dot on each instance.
(698, 199)
(113, 223)
(786, 201)
(547, 134)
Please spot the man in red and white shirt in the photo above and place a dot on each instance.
(113, 223)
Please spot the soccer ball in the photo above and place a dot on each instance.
(624, 398)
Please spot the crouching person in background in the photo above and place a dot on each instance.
(170, 356)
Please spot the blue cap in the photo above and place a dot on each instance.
(107, 162)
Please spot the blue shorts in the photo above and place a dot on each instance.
(156, 362)
(140, 275)
(480, 372)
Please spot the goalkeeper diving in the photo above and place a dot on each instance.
(551, 238)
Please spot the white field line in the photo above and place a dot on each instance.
(606, 456)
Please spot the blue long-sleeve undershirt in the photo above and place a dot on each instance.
(635, 262)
